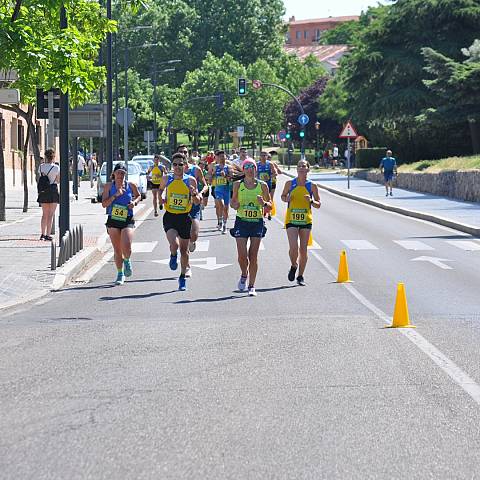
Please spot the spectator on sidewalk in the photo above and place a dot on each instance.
(388, 166)
(80, 166)
(49, 198)
(335, 156)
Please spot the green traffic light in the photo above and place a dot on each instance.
(302, 133)
(287, 136)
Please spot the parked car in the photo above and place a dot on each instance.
(135, 175)
(163, 160)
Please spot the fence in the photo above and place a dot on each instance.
(70, 244)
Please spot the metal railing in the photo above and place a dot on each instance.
(70, 244)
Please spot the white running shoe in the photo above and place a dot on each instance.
(242, 284)
(219, 225)
(192, 246)
(188, 272)
(224, 228)
(252, 292)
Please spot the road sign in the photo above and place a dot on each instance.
(42, 103)
(148, 136)
(348, 131)
(119, 116)
(256, 84)
(282, 135)
(303, 119)
(9, 96)
(241, 131)
(89, 120)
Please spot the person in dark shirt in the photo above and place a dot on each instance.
(388, 166)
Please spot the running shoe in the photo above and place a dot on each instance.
(269, 216)
(224, 228)
(192, 246)
(161, 207)
(42, 237)
(301, 281)
(242, 284)
(291, 273)
(386, 194)
(252, 292)
(156, 213)
(219, 225)
(127, 268)
(48, 238)
(173, 262)
(182, 283)
(120, 279)
(188, 272)
(391, 194)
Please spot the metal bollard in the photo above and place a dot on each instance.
(53, 256)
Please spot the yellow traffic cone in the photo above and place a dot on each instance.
(310, 239)
(274, 209)
(400, 315)
(343, 275)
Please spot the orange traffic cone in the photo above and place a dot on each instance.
(310, 239)
(343, 275)
(401, 318)
(274, 209)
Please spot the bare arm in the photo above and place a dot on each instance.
(136, 196)
(286, 192)
(234, 203)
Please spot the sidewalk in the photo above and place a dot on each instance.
(25, 260)
(463, 216)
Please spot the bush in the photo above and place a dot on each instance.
(369, 157)
(423, 165)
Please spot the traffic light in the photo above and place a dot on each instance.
(302, 133)
(242, 86)
(288, 135)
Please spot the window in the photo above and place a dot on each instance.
(13, 134)
(318, 34)
(298, 34)
(305, 34)
(20, 135)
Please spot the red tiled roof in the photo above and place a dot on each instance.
(325, 20)
(322, 52)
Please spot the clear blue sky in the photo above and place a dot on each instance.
(303, 9)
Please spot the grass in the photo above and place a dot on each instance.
(434, 166)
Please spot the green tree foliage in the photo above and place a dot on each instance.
(345, 34)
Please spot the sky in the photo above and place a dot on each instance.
(304, 9)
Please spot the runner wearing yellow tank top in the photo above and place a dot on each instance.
(250, 197)
(156, 173)
(301, 195)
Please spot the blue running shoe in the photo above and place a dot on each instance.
(120, 279)
(173, 262)
(127, 268)
(182, 283)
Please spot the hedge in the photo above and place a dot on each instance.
(369, 157)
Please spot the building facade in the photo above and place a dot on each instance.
(309, 32)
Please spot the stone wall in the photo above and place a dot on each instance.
(461, 185)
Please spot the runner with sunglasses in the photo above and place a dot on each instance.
(250, 198)
(180, 194)
(221, 175)
(301, 195)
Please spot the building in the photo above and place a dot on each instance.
(329, 55)
(308, 32)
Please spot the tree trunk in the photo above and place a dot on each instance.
(217, 139)
(2, 181)
(25, 159)
(474, 135)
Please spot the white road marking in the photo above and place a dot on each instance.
(359, 245)
(43, 301)
(413, 245)
(461, 378)
(315, 246)
(210, 263)
(465, 245)
(143, 247)
(202, 245)
(435, 261)
(262, 246)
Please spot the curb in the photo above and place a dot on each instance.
(462, 227)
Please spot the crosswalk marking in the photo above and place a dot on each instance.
(413, 245)
(143, 247)
(359, 245)
(202, 245)
(465, 245)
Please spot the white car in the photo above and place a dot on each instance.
(135, 175)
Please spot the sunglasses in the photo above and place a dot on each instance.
(248, 166)
(177, 164)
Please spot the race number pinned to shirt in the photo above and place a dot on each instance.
(119, 212)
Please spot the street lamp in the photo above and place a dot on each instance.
(317, 151)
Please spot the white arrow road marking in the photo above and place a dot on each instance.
(209, 263)
(413, 245)
(465, 245)
(143, 247)
(435, 261)
(359, 245)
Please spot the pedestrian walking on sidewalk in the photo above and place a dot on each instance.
(301, 195)
(48, 196)
(119, 198)
(388, 166)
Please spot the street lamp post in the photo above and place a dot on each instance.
(317, 151)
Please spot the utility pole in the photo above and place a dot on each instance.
(109, 146)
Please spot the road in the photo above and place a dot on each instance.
(143, 381)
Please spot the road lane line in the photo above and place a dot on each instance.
(413, 245)
(465, 245)
(461, 378)
(143, 247)
(359, 245)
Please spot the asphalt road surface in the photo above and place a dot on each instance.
(142, 381)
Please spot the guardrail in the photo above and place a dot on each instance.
(70, 244)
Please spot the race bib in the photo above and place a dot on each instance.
(265, 176)
(178, 201)
(156, 178)
(298, 215)
(249, 212)
(119, 213)
(221, 181)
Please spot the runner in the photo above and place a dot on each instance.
(250, 197)
(204, 167)
(300, 194)
(265, 172)
(221, 176)
(157, 171)
(180, 192)
(119, 197)
(195, 213)
(275, 172)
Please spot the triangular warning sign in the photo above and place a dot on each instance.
(348, 131)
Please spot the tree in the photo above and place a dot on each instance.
(45, 56)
